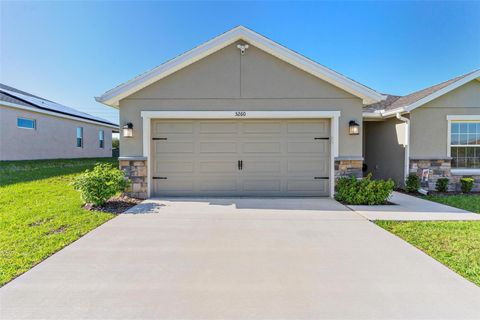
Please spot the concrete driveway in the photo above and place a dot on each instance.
(240, 259)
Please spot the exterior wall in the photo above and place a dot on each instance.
(226, 80)
(54, 137)
(429, 122)
(385, 149)
(429, 130)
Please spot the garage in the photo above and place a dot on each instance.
(240, 157)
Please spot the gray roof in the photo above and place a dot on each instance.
(394, 102)
(16, 96)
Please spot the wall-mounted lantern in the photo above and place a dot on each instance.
(128, 130)
(353, 128)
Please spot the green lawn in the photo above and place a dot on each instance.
(467, 202)
(454, 243)
(40, 213)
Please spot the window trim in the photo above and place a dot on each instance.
(101, 142)
(29, 119)
(76, 137)
(460, 118)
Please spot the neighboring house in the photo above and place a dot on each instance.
(241, 115)
(35, 128)
(435, 131)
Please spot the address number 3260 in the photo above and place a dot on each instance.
(240, 114)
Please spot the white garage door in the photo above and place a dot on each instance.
(240, 157)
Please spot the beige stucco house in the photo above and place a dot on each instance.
(241, 115)
(32, 127)
(434, 132)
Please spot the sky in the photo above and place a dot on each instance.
(70, 52)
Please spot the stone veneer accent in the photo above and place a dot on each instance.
(347, 168)
(136, 171)
(439, 168)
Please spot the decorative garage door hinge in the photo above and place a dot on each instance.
(321, 178)
(159, 138)
(159, 178)
(322, 138)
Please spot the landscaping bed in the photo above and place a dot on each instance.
(115, 205)
(40, 212)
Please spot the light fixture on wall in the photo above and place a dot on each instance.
(128, 130)
(353, 128)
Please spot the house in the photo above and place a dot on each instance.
(241, 115)
(434, 133)
(32, 127)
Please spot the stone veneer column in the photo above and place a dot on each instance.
(347, 168)
(136, 171)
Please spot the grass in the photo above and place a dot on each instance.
(462, 201)
(454, 243)
(40, 212)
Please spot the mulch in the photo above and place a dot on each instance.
(115, 205)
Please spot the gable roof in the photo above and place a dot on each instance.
(113, 96)
(393, 104)
(13, 97)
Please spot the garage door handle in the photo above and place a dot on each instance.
(159, 178)
(321, 178)
(322, 138)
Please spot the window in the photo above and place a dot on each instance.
(26, 123)
(79, 137)
(465, 144)
(101, 139)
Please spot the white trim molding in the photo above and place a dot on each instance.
(460, 118)
(113, 96)
(464, 117)
(147, 117)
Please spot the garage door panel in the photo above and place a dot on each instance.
(321, 128)
(263, 185)
(256, 166)
(174, 147)
(218, 147)
(218, 127)
(306, 147)
(218, 166)
(166, 167)
(174, 127)
(219, 184)
(315, 167)
(299, 185)
(174, 185)
(262, 127)
(262, 147)
(280, 157)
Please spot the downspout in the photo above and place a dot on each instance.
(406, 168)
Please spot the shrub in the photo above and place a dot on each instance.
(364, 191)
(442, 185)
(466, 184)
(98, 185)
(412, 183)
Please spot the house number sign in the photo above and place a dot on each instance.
(240, 114)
